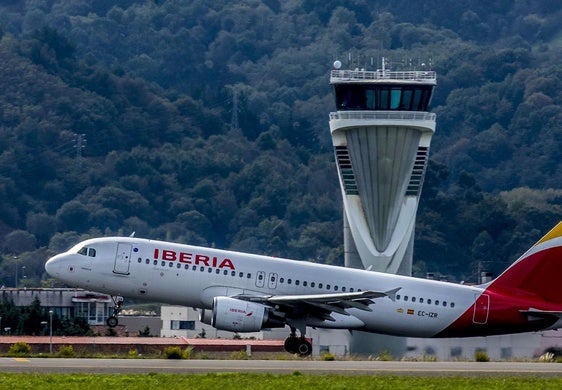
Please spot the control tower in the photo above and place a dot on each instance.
(381, 134)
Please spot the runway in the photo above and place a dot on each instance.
(144, 366)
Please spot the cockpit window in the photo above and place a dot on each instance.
(85, 251)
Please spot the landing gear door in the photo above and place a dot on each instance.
(122, 259)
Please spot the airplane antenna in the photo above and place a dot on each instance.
(132, 234)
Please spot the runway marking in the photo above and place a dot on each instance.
(21, 360)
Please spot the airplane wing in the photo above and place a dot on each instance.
(321, 305)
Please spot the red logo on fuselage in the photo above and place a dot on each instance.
(193, 258)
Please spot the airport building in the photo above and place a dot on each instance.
(65, 302)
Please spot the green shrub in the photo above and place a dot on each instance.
(66, 351)
(133, 354)
(481, 356)
(327, 356)
(173, 353)
(188, 353)
(20, 348)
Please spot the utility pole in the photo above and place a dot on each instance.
(79, 146)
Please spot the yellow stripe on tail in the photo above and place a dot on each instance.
(555, 232)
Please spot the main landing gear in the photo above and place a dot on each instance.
(299, 345)
(112, 321)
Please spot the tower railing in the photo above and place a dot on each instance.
(383, 115)
(340, 75)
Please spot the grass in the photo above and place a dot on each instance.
(266, 381)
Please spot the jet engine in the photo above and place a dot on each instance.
(236, 315)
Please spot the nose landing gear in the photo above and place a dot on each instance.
(112, 321)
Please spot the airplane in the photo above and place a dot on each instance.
(243, 292)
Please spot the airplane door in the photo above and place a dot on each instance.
(272, 281)
(260, 279)
(122, 259)
(481, 309)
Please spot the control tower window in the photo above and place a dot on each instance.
(382, 97)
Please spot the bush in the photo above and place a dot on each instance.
(481, 356)
(66, 351)
(173, 353)
(133, 354)
(327, 356)
(20, 349)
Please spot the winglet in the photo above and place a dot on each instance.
(392, 293)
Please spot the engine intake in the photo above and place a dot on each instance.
(236, 315)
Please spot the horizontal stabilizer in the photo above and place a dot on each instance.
(542, 313)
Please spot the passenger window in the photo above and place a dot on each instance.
(327, 286)
(233, 273)
(452, 304)
(319, 285)
(289, 281)
(351, 289)
(413, 299)
(436, 302)
(163, 264)
(312, 284)
(421, 300)
(281, 280)
(343, 289)
(155, 262)
(147, 261)
(241, 274)
(304, 283)
(335, 288)
(178, 266)
(297, 282)
(140, 260)
(249, 275)
(171, 264)
(397, 297)
(210, 270)
(218, 271)
(225, 272)
(405, 298)
(429, 301)
(444, 303)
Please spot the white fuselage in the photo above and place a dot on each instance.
(193, 276)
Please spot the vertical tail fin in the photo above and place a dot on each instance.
(538, 271)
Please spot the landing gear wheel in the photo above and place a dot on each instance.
(112, 321)
(304, 347)
(291, 344)
(298, 345)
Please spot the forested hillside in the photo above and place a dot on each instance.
(207, 123)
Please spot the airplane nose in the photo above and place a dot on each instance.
(52, 266)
